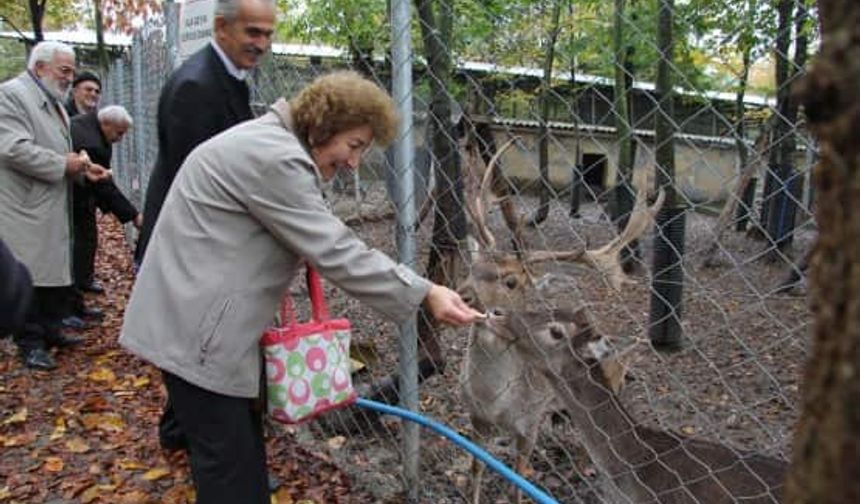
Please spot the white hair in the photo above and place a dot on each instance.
(115, 114)
(228, 9)
(44, 52)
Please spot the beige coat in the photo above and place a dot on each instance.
(34, 189)
(244, 210)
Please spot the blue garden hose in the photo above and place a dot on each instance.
(525, 485)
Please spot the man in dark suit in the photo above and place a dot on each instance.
(95, 133)
(206, 95)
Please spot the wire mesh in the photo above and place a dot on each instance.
(740, 174)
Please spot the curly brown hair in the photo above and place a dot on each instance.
(340, 101)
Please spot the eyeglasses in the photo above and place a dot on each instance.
(66, 71)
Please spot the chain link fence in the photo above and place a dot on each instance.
(716, 324)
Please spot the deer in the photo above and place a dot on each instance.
(640, 464)
(499, 388)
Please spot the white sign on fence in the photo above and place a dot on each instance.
(196, 20)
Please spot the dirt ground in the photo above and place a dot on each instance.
(735, 380)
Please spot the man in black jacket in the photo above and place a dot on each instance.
(206, 95)
(95, 133)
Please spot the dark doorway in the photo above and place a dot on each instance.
(594, 174)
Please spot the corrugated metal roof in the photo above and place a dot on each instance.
(609, 130)
(309, 50)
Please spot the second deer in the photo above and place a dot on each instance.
(641, 464)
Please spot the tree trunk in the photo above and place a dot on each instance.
(37, 15)
(827, 438)
(779, 168)
(101, 48)
(543, 133)
(576, 180)
(449, 226)
(668, 280)
(785, 205)
(623, 192)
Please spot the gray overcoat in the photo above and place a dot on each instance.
(34, 190)
(243, 212)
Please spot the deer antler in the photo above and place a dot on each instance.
(485, 198)
(606, 258)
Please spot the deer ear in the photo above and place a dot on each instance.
(614, 371)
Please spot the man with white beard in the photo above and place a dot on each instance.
(37, 167)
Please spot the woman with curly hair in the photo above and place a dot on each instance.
(244, 213)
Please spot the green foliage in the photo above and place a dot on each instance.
(347, 24)
(59, 14)
(13, 57)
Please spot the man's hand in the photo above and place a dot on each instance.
(97, 173)
(138, 220)
(76, 163)
(447, 306)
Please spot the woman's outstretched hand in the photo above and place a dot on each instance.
(447, 306)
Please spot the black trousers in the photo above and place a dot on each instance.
(225, 443)
(42, 322)
(84, 248)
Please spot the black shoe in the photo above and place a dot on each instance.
(88, 313)
(38, 359)
(93, 287)
(61, 340)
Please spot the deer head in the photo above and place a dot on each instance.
(502, 279)
(553, 337)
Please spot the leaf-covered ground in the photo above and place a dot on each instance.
(86, 432)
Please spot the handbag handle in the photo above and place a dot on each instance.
(319, 308)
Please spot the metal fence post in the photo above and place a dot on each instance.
(404, 200)
(137, 183)
(172, 30)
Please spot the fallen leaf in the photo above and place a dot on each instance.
(106, 357)
(59, 429)
(355, 365)
(5, 493)
(130, 465)
(19, 417)
(54, 464)
(155, 474)
(365, 352)
(19, 440)
(688, 430)
(102, 375)
(77, 445)
(104, 421)
(140, 382)
(90, 494)
(336, 442)
(282, 496)
(135, 497)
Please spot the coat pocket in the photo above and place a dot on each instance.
(35, 194)
(209, 330)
